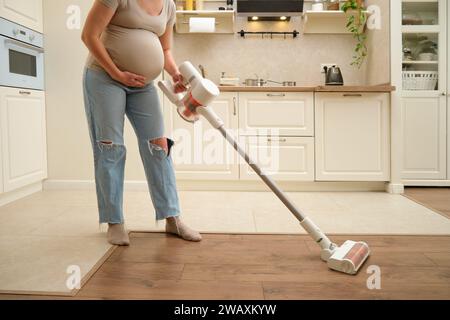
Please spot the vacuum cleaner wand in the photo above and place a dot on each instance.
(201, 92)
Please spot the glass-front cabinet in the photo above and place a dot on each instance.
(423, 28)
(421, 121)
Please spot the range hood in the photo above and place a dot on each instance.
(269, 8)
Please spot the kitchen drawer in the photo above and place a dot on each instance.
(284, 158)
(276, 114)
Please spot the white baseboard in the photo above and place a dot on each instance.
(395, 188)
(227, 186)
(12, 196)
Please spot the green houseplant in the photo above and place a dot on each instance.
(355, 24)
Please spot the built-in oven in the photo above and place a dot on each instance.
(21, 56)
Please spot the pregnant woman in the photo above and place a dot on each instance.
(130, 45)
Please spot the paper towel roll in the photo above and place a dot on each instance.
(202, 25)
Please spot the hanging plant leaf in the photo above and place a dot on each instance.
(355, 25)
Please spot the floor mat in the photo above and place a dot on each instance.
(371, 213)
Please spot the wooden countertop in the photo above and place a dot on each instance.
(376, 88)
(266, 89)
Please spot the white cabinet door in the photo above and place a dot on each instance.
(1, 147)
(448, 136)
(274, 113)
(448, 93)
(201, 153)
(284, 158)
(424, 138)
(27, 13)
(23, 133)
(352, 137)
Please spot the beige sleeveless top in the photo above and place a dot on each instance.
(132, 37)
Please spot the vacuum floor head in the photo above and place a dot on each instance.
(349, 257)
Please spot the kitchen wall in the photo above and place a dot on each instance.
(378, 68)
(69, 151)
(278, 58)
(288, 59)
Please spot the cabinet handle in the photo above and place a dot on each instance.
(276, 95)
(234, 107)
(352, 95)
(277, 140)
(24, 92)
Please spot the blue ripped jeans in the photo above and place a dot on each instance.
(107, 102)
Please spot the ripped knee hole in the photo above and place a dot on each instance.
(108, 145)
(163, 143)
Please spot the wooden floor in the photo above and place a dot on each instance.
(433, 198)
(159, 266)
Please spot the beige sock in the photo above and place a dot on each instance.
(176, 226)
(118, 235)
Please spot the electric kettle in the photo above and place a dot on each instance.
(334, 77)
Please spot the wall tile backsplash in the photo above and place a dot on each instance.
(278, 59)
(281, 59)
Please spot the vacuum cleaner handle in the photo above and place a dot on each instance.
(169, 90)
(212, 117)
(208, 90)
(195, 102)
(267, 179)
(313, 230)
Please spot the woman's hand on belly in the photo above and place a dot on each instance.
(130, 79)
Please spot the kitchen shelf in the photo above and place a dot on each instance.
(224, 20)
(326, 22)
(421, 29)
(421, 62)
(420, 1)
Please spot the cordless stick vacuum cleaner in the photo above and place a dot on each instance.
(196, 101)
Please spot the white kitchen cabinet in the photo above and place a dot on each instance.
(424, 138)
(27, 13)
(200, 152)
(448, 93)
(448, 135)
(276, 113)
(1, 157)
(423, 116)
(352, 137)
(23, 137)
(283, 158)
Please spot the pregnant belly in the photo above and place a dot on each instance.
(135, 50)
